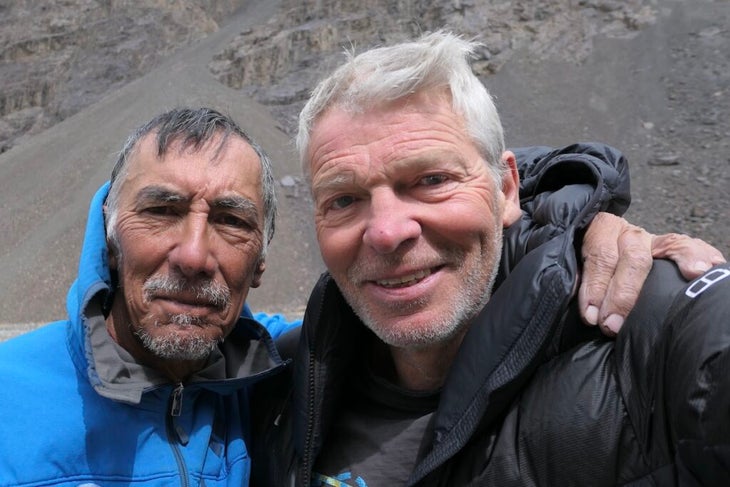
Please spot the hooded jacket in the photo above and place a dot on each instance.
(78, 410)
(533, 396)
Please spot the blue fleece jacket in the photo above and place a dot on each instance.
(78, 411)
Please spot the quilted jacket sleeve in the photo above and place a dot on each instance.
(551, 181)
(697, 379)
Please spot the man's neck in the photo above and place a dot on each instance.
(425, 369)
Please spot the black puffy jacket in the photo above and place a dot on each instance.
(534, 397)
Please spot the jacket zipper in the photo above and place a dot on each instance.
(176, 401)
(307, 460)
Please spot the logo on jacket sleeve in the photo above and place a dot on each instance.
(704, 282)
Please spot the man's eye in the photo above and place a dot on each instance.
(432, 180)
(160, 210)
(232, 221)
(342, 202)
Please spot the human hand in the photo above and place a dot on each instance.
(692, 255)
(617, 257)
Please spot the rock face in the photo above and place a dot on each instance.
(278, 63)
(61, 56)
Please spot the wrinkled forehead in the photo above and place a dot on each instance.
(362, 108)
(227, 162)
(342, 125)
(357, 104)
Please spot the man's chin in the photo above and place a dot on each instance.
(179, 345)
(407, 334)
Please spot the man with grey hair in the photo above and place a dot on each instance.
(146, 382)
(431, 353)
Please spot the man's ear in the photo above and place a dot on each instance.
(510, 189)
(111, 250)
(260, 268)
(111, 255)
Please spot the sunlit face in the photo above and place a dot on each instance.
(408, 216)
(190, 236)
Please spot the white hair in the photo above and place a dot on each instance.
(385, 74)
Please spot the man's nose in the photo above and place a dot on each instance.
(192, 254)
(391, 222)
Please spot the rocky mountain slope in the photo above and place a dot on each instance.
(58, 57)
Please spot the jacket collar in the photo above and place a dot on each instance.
(503, 346)
(247, 355)
(506, 342)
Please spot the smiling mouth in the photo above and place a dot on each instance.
(404, 281)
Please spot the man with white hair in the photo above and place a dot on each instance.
(429, 355)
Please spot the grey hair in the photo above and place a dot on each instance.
(384, 74)
(192, 127)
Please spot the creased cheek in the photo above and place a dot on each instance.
(334, 249)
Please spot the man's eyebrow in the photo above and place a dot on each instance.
(160, 194)
(238, 203)
(432, 160)
(333, 184)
